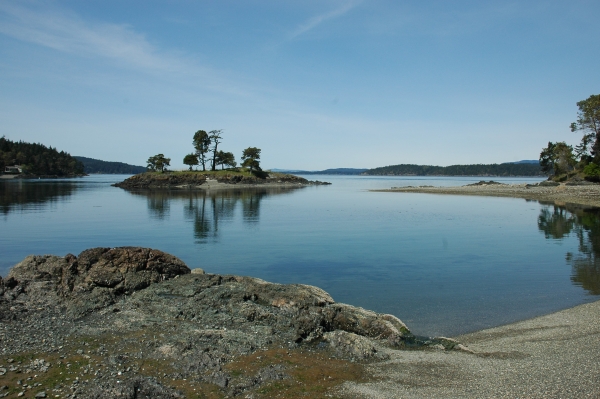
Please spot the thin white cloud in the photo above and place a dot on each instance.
(317, 20)
(67, 32)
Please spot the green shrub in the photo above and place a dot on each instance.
(592, 172)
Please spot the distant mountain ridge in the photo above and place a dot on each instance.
(526, 167)
(334, 171)
(521, 168)
(534, 161)
(92, 165)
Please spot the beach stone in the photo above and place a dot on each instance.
(350, 345)
(198, 271)
(547, 183)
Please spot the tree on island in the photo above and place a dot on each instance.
(202, 145)
(250, 158)
(190, 160)
(157, 163)
(215, 138)
(225, 158)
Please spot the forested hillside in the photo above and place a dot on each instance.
(37, 159)
(504, 169)
(97, 166)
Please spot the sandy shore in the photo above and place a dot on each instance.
(584, 195)
(552, 356)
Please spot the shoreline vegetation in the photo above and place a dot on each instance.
(26, 160)
(211, 180)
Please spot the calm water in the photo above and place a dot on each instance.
(443, 264)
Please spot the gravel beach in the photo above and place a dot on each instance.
(585, 194)
(552, 356)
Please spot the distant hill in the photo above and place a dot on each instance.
(534, 161)
(97, 166)
(522, 168)
(335, 171)
(35, 159)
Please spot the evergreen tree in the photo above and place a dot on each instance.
(250, 158)
(202, 145)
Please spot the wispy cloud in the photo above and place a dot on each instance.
(317, 20)
(64, 31)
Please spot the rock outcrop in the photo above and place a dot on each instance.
(91, 281)
(140, 305)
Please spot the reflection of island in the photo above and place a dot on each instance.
(584, 222)
(208, 209)
(22, 194)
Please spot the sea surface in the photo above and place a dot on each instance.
(443, 264)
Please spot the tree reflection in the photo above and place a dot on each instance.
(20, 195)
(208, 210)
(558, 222)
(159, 204)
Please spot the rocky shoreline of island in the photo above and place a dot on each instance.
(212, 180)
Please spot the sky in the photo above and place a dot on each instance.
(314, 84)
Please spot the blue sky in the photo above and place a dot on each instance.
(314, 84)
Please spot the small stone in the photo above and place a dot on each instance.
(20, 394)
(40, 394)
(198, 271)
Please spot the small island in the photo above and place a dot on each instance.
(206, 180)
(207, 154)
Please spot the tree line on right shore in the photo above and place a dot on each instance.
(563, 162)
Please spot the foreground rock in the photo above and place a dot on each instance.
(117, 322)
(200, 180)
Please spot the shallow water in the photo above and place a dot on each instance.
(444, 264)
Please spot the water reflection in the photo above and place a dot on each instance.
(559, 221)
(159, 204)
(207, 210)
(24, 195)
